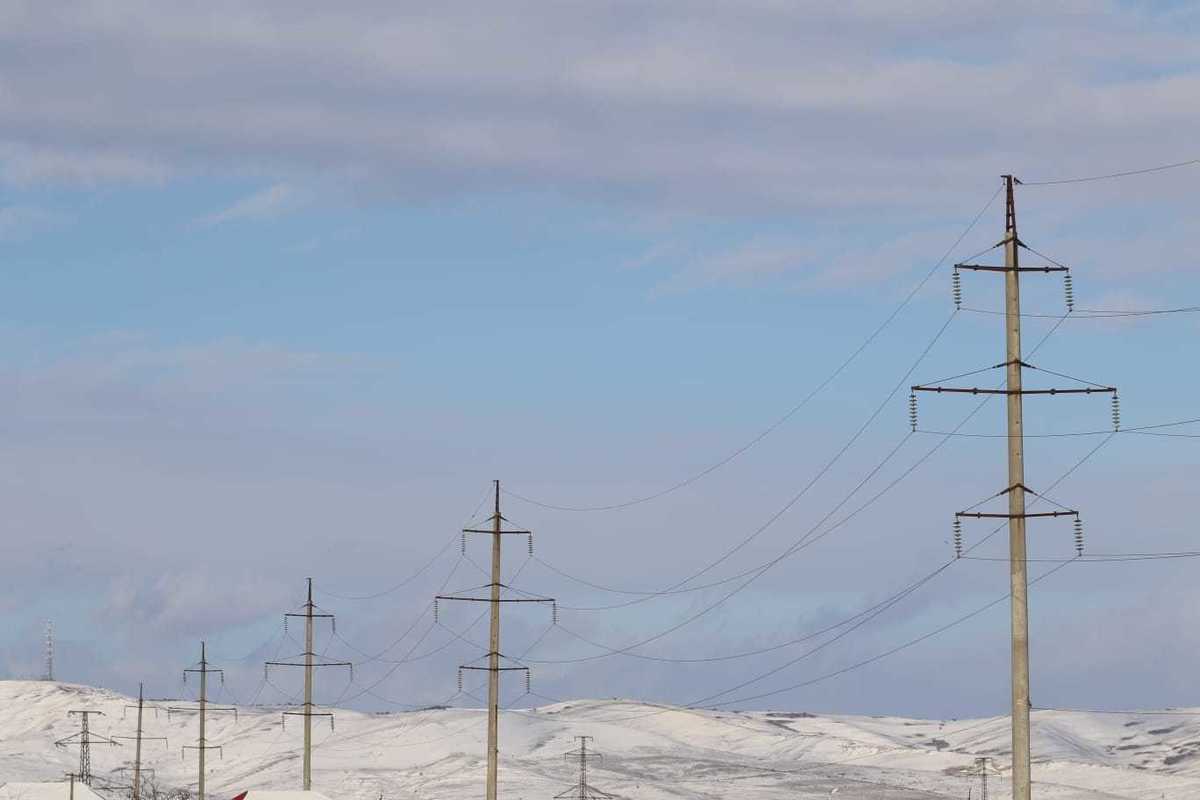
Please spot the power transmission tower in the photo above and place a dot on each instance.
(494, 655)
(583, 790)
(309, 663)
(48, 650)
(203, 709)
(982, 763)
(1016, 490)
(139, 737)
(84, 740)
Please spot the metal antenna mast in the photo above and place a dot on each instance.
(203, 709)
(494, 655)
(309, 614)
(583, 790)
(138, 737)
(85, 739)
(1016, 490)
(49, 650)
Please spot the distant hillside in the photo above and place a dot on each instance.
(651, 752)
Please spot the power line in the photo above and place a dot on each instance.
(1110, 175)
(913, 642)
(1095, 313)
(1170, 712)
(1065, 434)
(794, 409)
(892, 651)
(675, 588)
(812, 481)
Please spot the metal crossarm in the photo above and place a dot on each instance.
(988, 268)
(493, 533)
(978, 390)
(1027, 515)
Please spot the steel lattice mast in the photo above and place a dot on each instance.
(84, 739)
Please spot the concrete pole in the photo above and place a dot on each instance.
(203, 703)
(1019, 577)
(583, 767)
(308, 688)
(137, 751)
(493, 745)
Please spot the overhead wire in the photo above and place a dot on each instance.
(824, 470)
(1107, 176)
(1095, 313)
(415, 575)
(892, 651)
(1104, 432)
(794, 409)
(910, 643)
(809, 537)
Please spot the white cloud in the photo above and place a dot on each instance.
(271, 202)
(706, 105)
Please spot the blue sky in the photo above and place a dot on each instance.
(284, 290)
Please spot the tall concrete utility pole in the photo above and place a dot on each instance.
(139, 737)
(1018, 565)
(495, 656)
(310, 614)
(203, 709)
(1017, 514)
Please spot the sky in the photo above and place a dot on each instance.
(286, 286)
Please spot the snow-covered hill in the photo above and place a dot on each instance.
(651, 752)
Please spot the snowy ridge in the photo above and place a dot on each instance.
(650, 751)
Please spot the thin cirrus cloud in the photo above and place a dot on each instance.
(274, 201)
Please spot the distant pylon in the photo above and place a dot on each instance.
(48, 675)
(84, 739)
(583, 790)
(982, 763)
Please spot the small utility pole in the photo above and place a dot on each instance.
(494, 655)
(84, 740)
(203, 669)
(138, 737)
(309, 614)
(1015, 392)
(583, 790)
